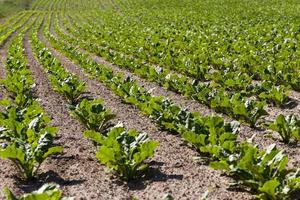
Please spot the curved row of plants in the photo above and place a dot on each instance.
(26, 137)
(9, 29)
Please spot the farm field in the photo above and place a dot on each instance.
(134, 99)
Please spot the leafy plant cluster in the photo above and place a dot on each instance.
(288, 128)
(46, 192)
(124, 151)
(264, 172)
(277, 95)
(93, 114)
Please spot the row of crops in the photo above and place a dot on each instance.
(241, 64)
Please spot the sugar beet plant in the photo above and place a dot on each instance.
(124, 151)
(93, 114)
(277, 95)
(263, 172)
(214, 139)
(26, 138)
(46, 192)
(288, 128)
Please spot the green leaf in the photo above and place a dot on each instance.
(269, 189)
(52, 151)
(9, 195)
(219, 165)
(12, 152)
(126, 151)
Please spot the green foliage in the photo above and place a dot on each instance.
(288, 127)
(124, 151)
(264, 172)
(231, 80)
(20, 86)
(215, 139)
(70, 86)
(62, 81)
(18, 81)
(93, 114)
(46, 192)
(277, 95)
(26, 138)
(248, 110)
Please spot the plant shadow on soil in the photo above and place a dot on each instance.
(153, 175)
(296, 195)
(293, 103)
(47, 177)
(236, 188)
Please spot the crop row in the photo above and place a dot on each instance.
(11, 28)
(25, 135)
